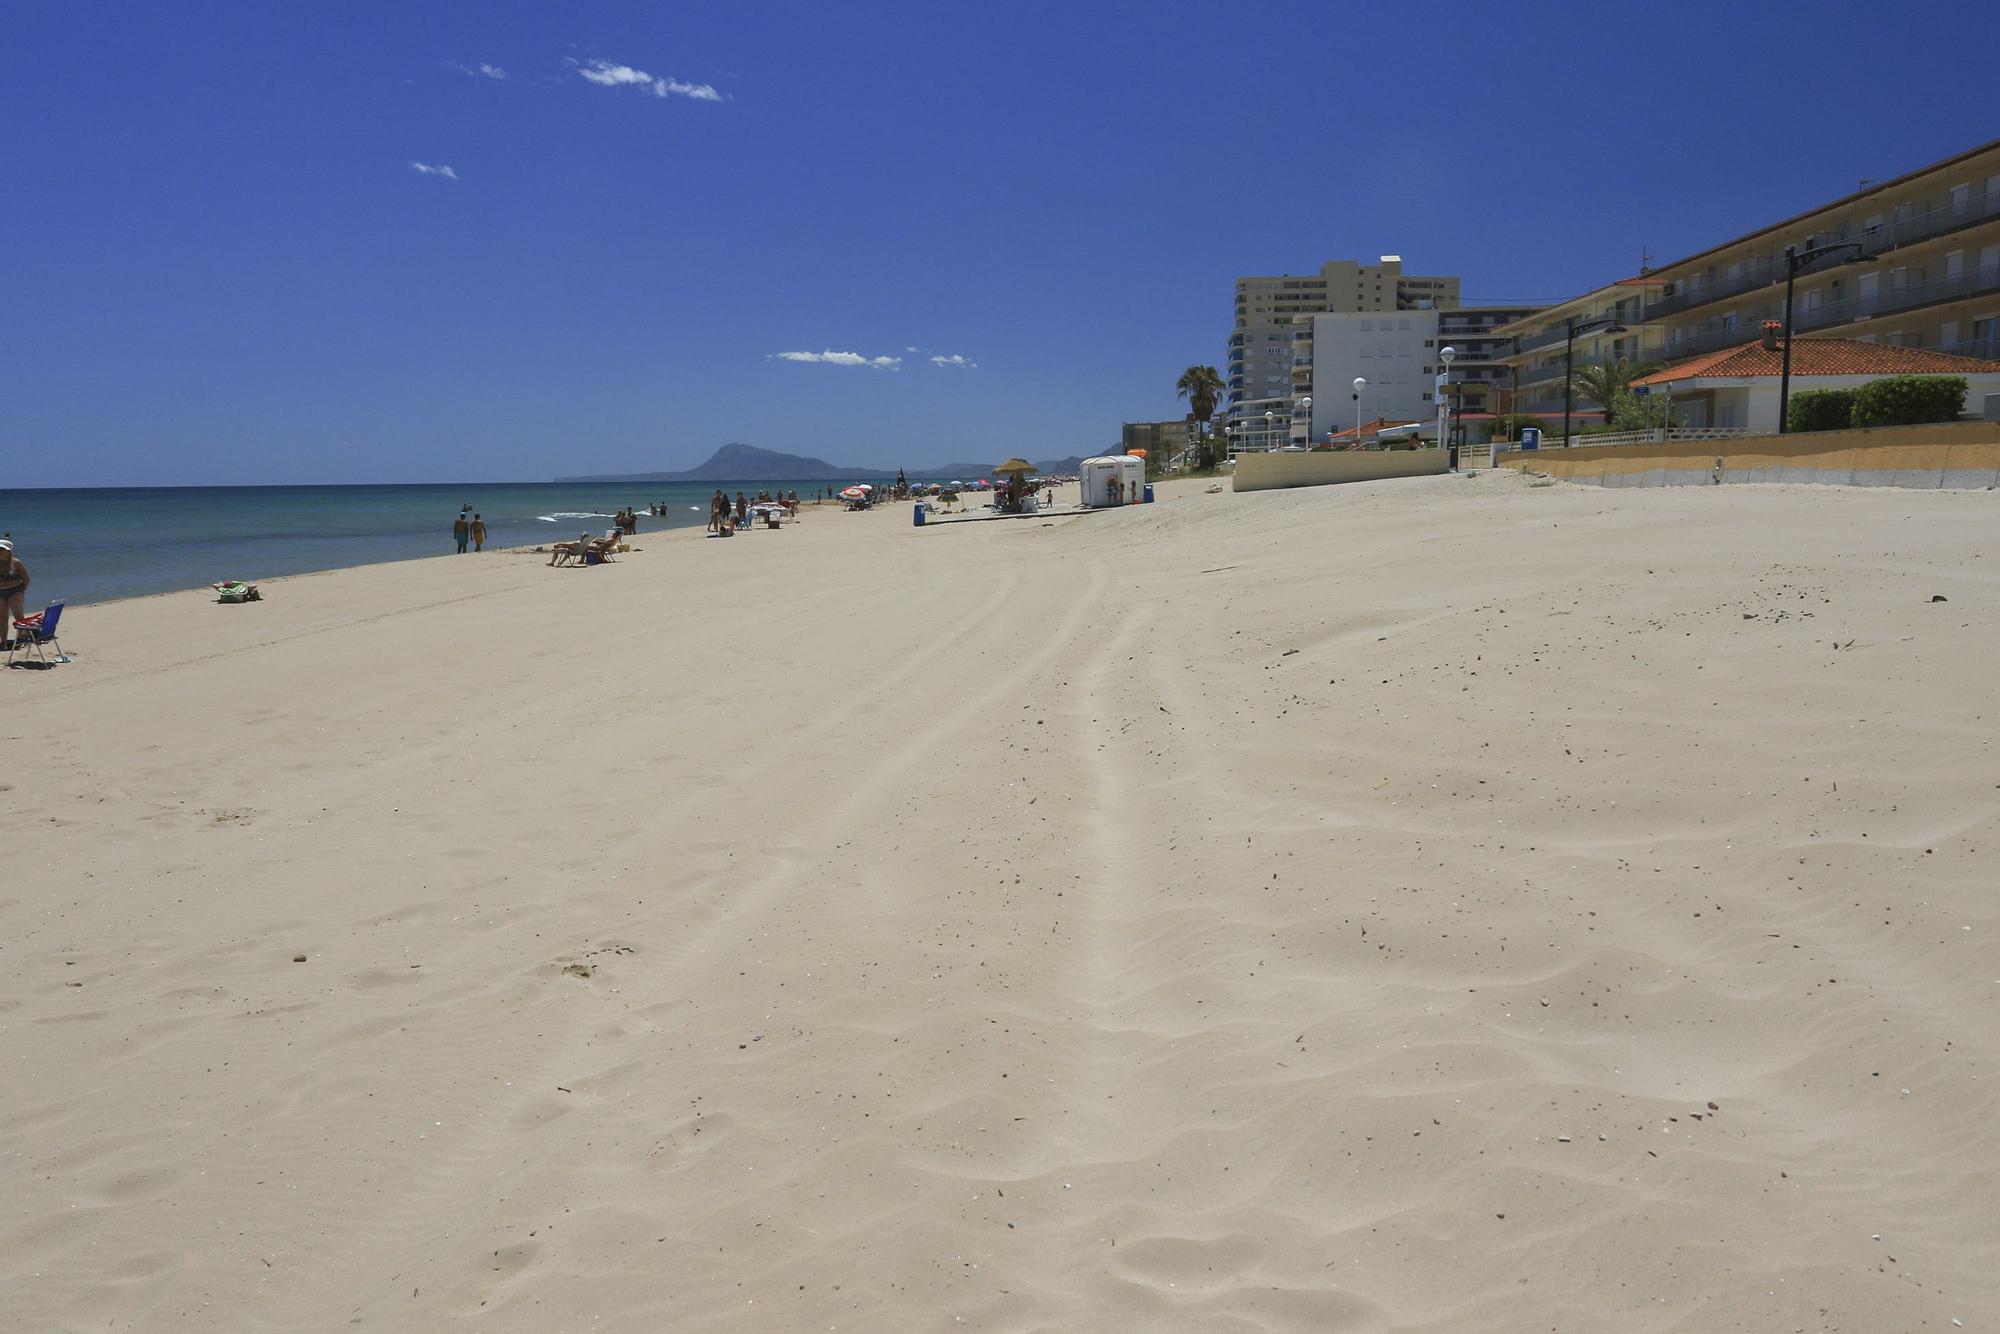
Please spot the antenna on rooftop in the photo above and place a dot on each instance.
(1645, 260)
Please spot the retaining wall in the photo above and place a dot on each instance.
(1945, 454)
(1268, 472)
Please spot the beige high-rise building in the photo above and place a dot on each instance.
(1261, 345)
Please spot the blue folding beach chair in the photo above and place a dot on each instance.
(32, 632)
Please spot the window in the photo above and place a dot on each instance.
(1961, 200)
(1954, 264)
(1895, 338)
(1866, 287)
(1948, 335)
(1989, 263)
(1985, 335)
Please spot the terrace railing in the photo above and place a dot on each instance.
(1880, 239)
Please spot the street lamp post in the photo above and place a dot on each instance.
(1602, 324)
(1446, 355)
(1306, 406)
(1796, 259)
(1360, 383)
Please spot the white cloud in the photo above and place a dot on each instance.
(955, 360)
(429, 170)
(607, 75)
(830, 358)
(480, 71)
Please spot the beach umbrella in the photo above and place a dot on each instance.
(1015, 465)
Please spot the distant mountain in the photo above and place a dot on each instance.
(736, 462)
(746, 463)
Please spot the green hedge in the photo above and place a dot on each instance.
(1908, 400)
(1820, 410)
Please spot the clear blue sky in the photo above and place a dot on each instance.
(221, 265)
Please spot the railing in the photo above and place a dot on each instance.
(1975, 282)
(1849, 309)
(1559, 334)
(1877, 240)
(1554, 371)
(1651, 437)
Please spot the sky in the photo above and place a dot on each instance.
(397, 242)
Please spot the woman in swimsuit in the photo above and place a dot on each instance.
(13, 591)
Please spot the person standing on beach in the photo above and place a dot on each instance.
(461, 532)
(478, 533)
(742, 509)
(13, 591)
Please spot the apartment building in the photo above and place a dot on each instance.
(1528, 372)
(1397, 354)
(1160, 440)
(1930, 279)
(1267, 308)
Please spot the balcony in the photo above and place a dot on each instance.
(1881, 239)
(1849, 309)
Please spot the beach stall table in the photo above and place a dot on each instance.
(1015, 472)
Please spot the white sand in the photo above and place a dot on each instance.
(1314, 910)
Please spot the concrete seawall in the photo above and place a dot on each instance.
(1270, 472)
(1960, 455)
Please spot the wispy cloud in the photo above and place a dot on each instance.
(840, 359)
(955, 360)
(607, 75)
(434, 170)
(480, 71)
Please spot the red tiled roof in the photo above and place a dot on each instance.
(1819, 356)
(1370, 428)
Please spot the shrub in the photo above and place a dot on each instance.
(1820, 410)
(1907, 400)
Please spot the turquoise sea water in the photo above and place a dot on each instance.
(97, 543)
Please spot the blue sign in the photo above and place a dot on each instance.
(1641, 390)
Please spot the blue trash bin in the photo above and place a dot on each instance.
(1149, 494)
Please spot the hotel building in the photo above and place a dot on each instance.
(1259, 374)
(1929, 276)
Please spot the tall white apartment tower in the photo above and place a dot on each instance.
(1268, 309)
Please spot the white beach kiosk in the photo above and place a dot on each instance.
(1097, 476)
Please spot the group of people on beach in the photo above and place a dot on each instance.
(469, 528)
(724, 518)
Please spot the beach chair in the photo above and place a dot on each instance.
(32, 632)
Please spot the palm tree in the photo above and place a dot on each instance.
(1201, 386)
(1608, 384)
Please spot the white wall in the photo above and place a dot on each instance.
(1388, 348)
(1267, 472)
(1756, 398)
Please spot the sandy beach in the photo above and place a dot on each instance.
(1461, 904)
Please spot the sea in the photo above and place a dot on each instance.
(94, 544)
